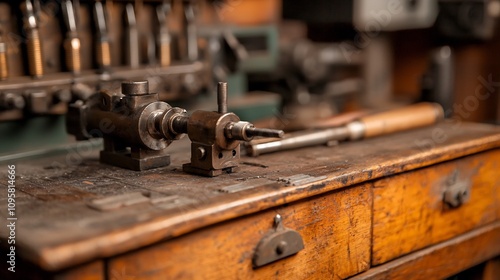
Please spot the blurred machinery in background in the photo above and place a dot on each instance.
(53, 53)
(302, 62)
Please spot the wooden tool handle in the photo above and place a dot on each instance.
(413, 116)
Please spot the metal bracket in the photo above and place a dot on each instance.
(457, 191)
(278, 244)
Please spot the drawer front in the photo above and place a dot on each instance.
(412, 210)
(335, 228)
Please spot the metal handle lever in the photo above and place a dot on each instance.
(222, 97)
(278, 244)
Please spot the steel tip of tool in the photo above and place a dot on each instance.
(265, 132)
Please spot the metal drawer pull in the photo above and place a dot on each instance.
(278, 244)
(457, 192)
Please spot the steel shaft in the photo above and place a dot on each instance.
(310, 138)
(264, 132)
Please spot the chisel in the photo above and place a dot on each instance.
(410, 117)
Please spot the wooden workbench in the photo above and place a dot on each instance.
(368, 209)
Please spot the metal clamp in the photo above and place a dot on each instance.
(278, 244)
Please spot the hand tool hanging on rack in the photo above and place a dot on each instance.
(33, 40)
(132, 38)
(4, 67)
(402, 119)
(103, 48)
(190, 30)
(72, 43)
(164, 39)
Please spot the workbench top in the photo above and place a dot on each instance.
(71, 210)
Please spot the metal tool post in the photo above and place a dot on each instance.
(406, 118)
(216, 136)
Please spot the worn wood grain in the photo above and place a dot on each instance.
(335, 227)
(409, 212)
(56, 191)
(442, 260)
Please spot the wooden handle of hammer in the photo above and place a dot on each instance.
(410, 117)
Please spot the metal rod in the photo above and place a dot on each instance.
(264, 132)
(222, 97)
(180, 124)
(89, 76)
(299, 141)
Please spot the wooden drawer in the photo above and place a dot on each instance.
(335, 228)
(409, 212)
